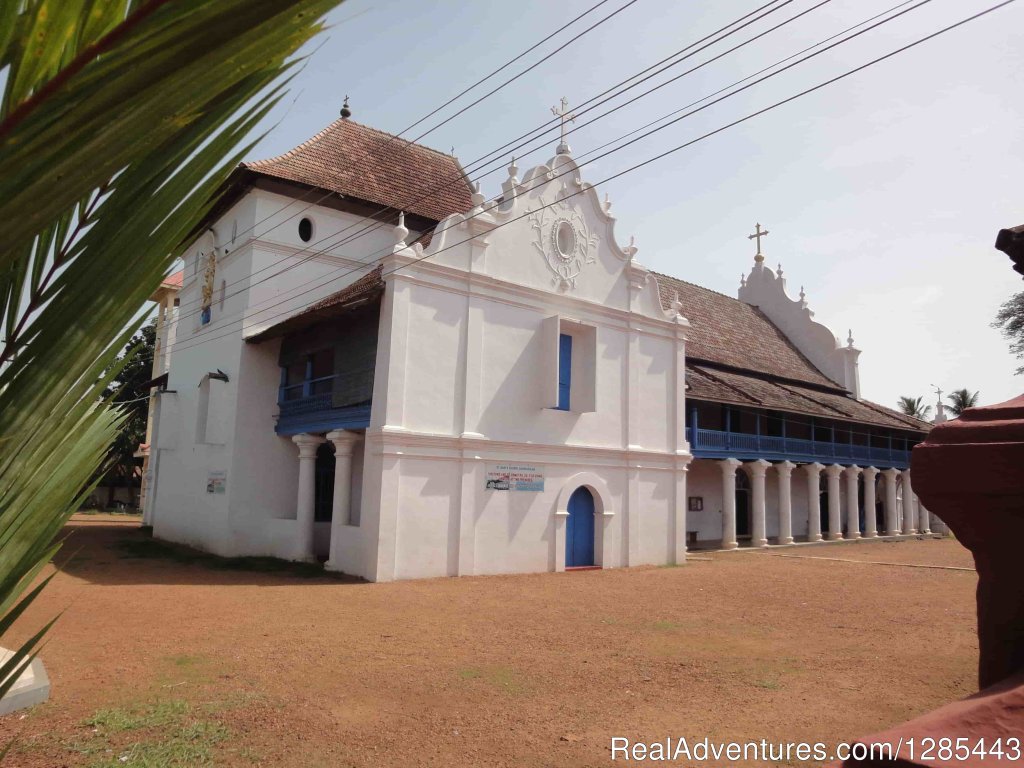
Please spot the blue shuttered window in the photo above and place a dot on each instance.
(564, 370)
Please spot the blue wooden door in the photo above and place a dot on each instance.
(579, 533)
(564, 370)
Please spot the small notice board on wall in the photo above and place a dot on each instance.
(515, 477)
(216, 481)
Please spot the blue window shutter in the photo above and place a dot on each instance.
(564, 370)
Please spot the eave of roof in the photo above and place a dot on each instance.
(716, 383)
(360, 293)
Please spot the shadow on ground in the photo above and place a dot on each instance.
(122, 552)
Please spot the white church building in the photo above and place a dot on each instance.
(370, 363)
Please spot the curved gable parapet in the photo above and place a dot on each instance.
(549, 231)
(766, 290)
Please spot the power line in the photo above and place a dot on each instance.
(329, 193)
(525, 71)
(503, 67)
(707, 135)
(367, 228)
(605, 154)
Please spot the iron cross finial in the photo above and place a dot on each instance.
(562, 112)
(758, 234)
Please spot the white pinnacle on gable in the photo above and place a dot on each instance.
(766, 290)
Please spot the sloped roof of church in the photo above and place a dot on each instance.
(732, 332)
(735, 354)
(357, 161)
(358, 293)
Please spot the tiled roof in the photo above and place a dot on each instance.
(359, 293)
(706, 382)
(732, 332)
(364, 163)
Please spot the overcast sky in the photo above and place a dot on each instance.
(883, 192)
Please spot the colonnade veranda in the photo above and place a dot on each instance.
(841, 480)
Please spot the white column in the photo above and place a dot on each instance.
(679, 550)
(813, 501)
(925, 525)
(835, 522)
(870, 524)
(908, 505)
(757, 471)
(341, 509)
(728, 502)
(785, 472)
(892, 527)
(852, 512)
(304, 509)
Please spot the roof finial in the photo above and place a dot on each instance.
(758, 234)
(401, 232)
(565, 116)
(631, 249)
(478, 196)
(346, 113)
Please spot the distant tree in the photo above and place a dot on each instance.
(1010, 320)
(127, 390)
(914, 406)
(961, 399)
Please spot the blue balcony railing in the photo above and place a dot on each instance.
(713, 443)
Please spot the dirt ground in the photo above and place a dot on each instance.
(162, 658)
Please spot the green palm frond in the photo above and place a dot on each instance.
(914, 406)
(962, 399)
(118, 122)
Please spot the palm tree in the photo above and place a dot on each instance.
(914, 406)
(118, 121)
(961, 399)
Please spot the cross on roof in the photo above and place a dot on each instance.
(562, 112)
(758, 234)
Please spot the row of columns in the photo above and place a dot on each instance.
(305, 515)
(757, 470)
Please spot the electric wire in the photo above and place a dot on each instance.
(320, 281)
(329, 193)
(660, 156)
(461, 179)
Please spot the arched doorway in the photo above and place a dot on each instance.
(579, 531)
(742, 505)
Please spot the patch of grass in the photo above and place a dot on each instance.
(153, 549)
(187, 746)
(166, 734)
(157, 715)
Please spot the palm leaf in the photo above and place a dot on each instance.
(118, 122)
